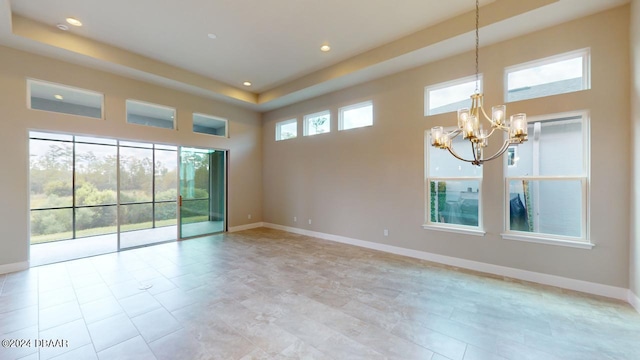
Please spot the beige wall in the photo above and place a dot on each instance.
(356, 183)
(635, 133)
(244, 144)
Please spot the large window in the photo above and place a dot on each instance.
(453, 197)
(546, 187)
(450, 96)
(318, 123)
(355, 116)
(558, 74)
(86, 186)
(287, 129)
(64, 99)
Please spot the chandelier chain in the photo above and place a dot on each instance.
(477, 46)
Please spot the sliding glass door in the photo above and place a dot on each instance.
(202, 192)
(91, 195)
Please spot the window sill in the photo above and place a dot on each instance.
(548, 241)
(457, 230)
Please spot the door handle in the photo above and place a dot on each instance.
(180, 200)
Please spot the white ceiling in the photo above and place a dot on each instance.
(274, 44)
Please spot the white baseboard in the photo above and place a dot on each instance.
(540, 278)
(634, 300)
(246, 227)
(9, 268)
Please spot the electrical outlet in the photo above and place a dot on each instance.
(295, 218)
(249, 216)
(309, 221)
(386, 232)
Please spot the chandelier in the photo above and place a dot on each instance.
(470, 127)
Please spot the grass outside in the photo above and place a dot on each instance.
(39, 239)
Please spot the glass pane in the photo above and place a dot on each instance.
(51, 225)
(553, 78)
(443, 164)
(166, 214)
(454, 202)
(194, 211)
(50, 174)
(165, 147)
(444, 98)
(136, 175)
(136, 217)
(96, 140)
(166, 169)
(318, 123)
(554, 148)
(50, 136)
(150, 114)
(287, 129)
(96, 175)
(209, 125)
(357, 117)
(64, 99)
(97, 220)
(549, 207)
(202, 187)
(136, 144)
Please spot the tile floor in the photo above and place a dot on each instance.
(266, 294)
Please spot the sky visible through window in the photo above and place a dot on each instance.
(452, 94)
(359, 117)
(545, 74)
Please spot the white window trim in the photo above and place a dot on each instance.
(568, 242)
(579, 242)
(317, 114)
(31, 81)
(175, 117)
(342, 110)
(212, 117)
(455, 228)
(446, 84)
(279, 125)
(585, 53)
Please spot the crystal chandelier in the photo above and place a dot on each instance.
(470, 127)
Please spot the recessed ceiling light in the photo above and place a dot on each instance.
(57, 96)
(246, 83)
(74, 21)
(211, 36)
(325, 48)
(62, 27)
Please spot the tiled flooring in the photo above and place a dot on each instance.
(266, 294)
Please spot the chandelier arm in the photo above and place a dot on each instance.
(458, 156)
(502, 150)
(485, 115)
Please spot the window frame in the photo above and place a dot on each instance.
(585, 53)
(282, 123)
(212, 117)
(454, 228)
(342, 110)
(305, 122)
(446, 84)
(584, 241)
(31, 81)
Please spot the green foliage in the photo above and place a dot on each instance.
(88, 194)
(317, 123)
(50, 221)
(58, 188)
